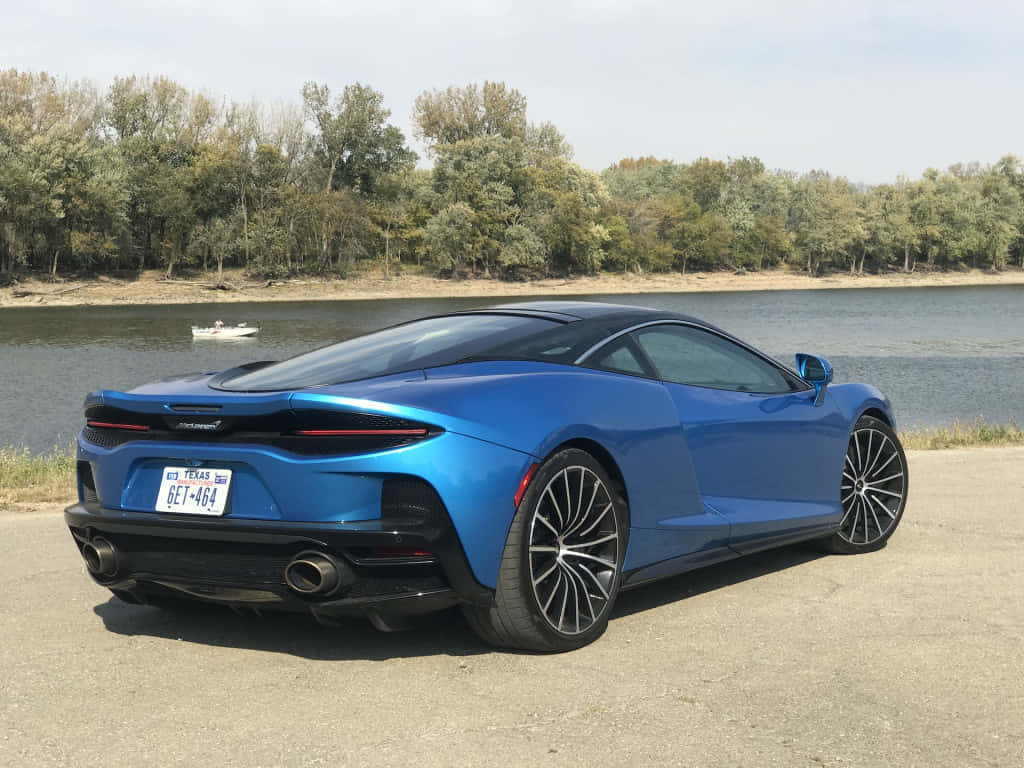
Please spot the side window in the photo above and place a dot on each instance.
(687, 355)
(618, 357)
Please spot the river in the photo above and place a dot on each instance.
(939, 353)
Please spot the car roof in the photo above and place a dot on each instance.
(560, 332)
(584, 324)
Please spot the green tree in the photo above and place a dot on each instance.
(487, 174)
(826, 219)
(999, 217)
(450, 235)
(471, 112)
(354, 144)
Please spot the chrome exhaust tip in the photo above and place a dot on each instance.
(312, 574)
(100, 557)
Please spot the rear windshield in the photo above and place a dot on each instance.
(419, 344)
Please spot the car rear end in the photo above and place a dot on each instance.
(287, 501)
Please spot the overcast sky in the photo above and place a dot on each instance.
(865, 89)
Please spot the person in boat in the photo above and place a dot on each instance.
(218, 324)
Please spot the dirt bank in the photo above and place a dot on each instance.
(150, 287)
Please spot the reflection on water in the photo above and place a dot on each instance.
(939, 353)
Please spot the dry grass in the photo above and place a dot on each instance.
(963, 435)
(25, 477)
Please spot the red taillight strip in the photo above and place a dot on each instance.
(111, 425)
(361, 432)
(524, 483)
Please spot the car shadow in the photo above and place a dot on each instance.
(442, 634)
(712, 577)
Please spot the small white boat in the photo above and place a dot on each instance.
(221, 331)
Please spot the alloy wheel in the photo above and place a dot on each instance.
(873, 486)
(574, 550)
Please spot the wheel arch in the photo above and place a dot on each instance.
(603, 457)
(879, 414)
(856, 400)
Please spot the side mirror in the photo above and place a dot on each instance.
(816, 371)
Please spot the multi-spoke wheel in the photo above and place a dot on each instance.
(873, 489)
(574, 550)
(563, 557)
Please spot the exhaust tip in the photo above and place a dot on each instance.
(100, 557)
(312, 574)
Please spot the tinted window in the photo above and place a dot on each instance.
(619, 358)
(419, 344)
(688, 355)
(560, 344)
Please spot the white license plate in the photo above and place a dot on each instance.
(192, 491)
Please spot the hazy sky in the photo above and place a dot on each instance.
(866, 89)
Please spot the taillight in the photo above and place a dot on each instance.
(361, 432)
(113, 425)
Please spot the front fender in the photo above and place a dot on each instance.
(854, 400)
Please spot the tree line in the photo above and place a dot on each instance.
(147, 174)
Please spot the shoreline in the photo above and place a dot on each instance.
(149, 287)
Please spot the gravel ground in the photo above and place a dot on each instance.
(912, 656)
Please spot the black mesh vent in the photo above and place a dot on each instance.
(89, 495)
(309, 419)
(409, 502)
(105, 438)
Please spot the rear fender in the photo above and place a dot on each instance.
(536, 407)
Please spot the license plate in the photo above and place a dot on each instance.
(192, 491)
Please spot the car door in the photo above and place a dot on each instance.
(765, 457)
(685, 527)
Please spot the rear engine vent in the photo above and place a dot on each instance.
(354, 422)
(105, 438)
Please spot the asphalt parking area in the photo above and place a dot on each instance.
(910, 656)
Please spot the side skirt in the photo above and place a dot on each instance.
(674, 566)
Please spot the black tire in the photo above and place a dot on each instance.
(873, 489)
(516, 618)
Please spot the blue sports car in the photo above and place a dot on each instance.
(524, 462)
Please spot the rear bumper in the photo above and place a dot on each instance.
(241, 562)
